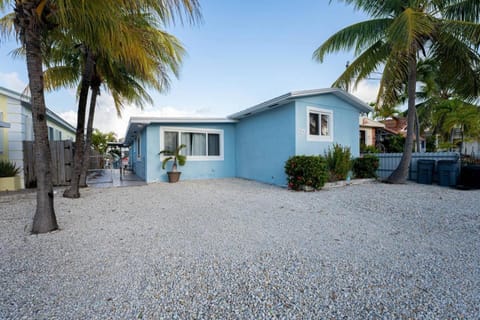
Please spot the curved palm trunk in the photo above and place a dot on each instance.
(400, 174)
(88, 140)
(44, 219)
(73, 191)
(417, 132)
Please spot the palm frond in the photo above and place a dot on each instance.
(358, 37)
(466, 10)
(7, 26)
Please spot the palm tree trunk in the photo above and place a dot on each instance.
(73, 191)
(44, 219)
(400, 174)
(417, 132)
(88, 140)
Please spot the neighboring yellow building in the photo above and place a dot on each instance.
(16, 126)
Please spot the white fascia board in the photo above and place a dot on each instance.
(26, 99)
(140, 122)
(4, 124)
(149, 120)
(14, 95)
(276, 102)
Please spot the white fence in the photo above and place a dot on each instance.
(390, 161)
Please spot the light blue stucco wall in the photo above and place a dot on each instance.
(264, 142)
(139, 164)
(193, 169)
(256, 147)
(346, 128)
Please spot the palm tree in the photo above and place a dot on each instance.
(442, 108)
(399, 32)
(92, 21)
(158, 53)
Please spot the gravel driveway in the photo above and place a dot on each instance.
(236, 249)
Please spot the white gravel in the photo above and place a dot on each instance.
(235, 249)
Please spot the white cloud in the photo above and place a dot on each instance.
(106, 118)
(12, 81)
(70, 117)
(367, 91)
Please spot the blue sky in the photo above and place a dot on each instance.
(243, 53)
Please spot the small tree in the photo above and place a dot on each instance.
(339, 162)
(175, 156)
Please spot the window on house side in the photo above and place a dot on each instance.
(320, 124)
(170, 141)
(51, 133)
(195, 142)
(200, 144)
(314, 125)
(214, 144)
(139, 149)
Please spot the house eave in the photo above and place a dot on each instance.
(25, 101)
(281, 100)
(4, 124)
(136, 124)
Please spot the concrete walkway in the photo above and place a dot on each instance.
(107, 178)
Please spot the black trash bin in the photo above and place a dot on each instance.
(447, 172)
(425, 170)
(470, 177)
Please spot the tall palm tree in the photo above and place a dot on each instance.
(158, 54)
(34, 20)
(442, 107)
(399, 32)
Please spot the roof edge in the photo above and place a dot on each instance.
(276, 102)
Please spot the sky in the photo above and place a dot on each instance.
(241, 54)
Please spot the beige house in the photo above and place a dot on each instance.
(368, 128)
(16, 126)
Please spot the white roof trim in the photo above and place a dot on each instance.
(275, 102)
(50, 114)
(4, 124)
(149, 120)
(14, 95)
(136, 124)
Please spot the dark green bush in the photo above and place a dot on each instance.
(8, 169)
(368, 149)
(308, 171)
(338, 162)
(366, 166)
(394, 143)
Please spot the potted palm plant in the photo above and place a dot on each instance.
(177, 158)
(9, 179)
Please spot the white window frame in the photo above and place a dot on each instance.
(320, 112)
(207, 131)
(139, 146)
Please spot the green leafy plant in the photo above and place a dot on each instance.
(338, 162)
(8, 169)
(306, 171)
(394, 143)
(175, 156)
(366, 166)
(368, 149)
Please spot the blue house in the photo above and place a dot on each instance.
(253, 143)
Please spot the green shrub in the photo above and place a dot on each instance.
(368, 149)
(394, 143)
(338, 162)
(8, 169)
(366, 166)
(308, 171)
